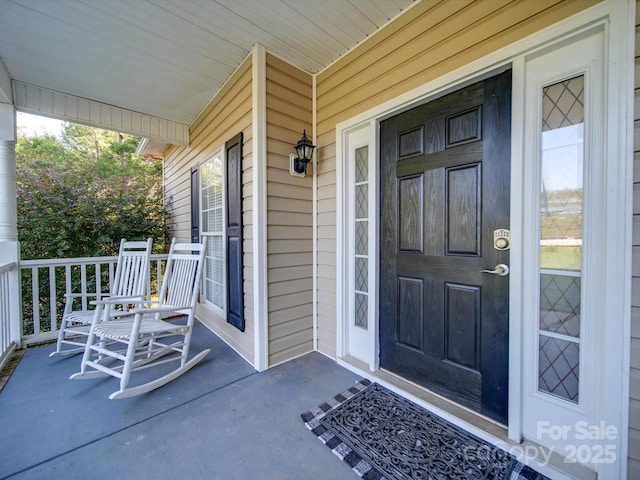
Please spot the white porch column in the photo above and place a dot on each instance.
(9, 247)
(8, 209)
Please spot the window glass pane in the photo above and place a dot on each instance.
(561, 208)
(362, 313)
(214, 271)
(362, 164)
(212, 184)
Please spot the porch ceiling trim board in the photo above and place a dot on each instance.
(51, 103)
(6, 95)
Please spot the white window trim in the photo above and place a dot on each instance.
(617, 17)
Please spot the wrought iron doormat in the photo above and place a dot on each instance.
(383, 436)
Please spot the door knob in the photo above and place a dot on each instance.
(501, 269)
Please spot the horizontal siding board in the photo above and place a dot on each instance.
(276, 146)
(634, 414)
(284, 302)
(291, 273)
(281, 95)
(282, 204)
(293, 192)
(293, 352)
(292, 287)
(286, 233)
(286, 121)
(277, 64)
(634, 444)
(294, 220)
(635, 321)
(635, 353)
(282, 330)
(285, 260)
(288, 246)
(299, 338)
(290, 314)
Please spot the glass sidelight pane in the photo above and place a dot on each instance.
(559, 363)
(561, 225)
(361, 229)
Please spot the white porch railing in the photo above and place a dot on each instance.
(44, 284)
(7, 345)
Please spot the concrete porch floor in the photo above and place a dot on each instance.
(221, 420)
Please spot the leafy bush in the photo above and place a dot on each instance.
(79, 195)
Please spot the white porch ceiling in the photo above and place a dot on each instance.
(168, 58)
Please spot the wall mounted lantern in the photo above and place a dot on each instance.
(304, 149)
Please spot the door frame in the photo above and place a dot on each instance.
(617, 20)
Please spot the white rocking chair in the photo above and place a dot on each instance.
(153, 335)
(130, 285)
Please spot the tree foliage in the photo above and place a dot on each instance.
(79, 195)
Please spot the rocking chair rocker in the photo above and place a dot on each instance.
(150, 336)
(130, 285)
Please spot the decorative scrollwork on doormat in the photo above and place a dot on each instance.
(383, 436)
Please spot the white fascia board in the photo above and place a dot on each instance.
(51, 103)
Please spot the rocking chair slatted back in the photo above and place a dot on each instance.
(131, 279)
(183, 270)
(132, 271)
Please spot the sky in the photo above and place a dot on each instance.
(31, 125)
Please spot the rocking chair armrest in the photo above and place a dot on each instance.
(158, 309)
(117, 300)
(70, 296)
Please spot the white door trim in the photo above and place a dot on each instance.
(617, 18)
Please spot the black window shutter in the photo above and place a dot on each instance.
(195, 204)
(235, 295)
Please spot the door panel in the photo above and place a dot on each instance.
(444, 190)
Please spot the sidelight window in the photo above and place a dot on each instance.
(561, 238)
(362, 238)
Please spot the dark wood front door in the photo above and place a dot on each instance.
(445, 169)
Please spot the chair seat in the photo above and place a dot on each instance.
(121, 329)
(84, 317)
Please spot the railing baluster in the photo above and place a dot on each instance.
(53, 298)
(83, 285)
(35, 295)
(98, 272)
(67, 278)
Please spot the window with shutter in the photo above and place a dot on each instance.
(216, 197)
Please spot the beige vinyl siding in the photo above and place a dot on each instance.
(289, 214)
(228, 114)
(634, 400)
(430, 40)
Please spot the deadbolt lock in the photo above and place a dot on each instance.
(502, 239)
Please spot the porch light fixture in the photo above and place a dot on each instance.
(304, 150)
